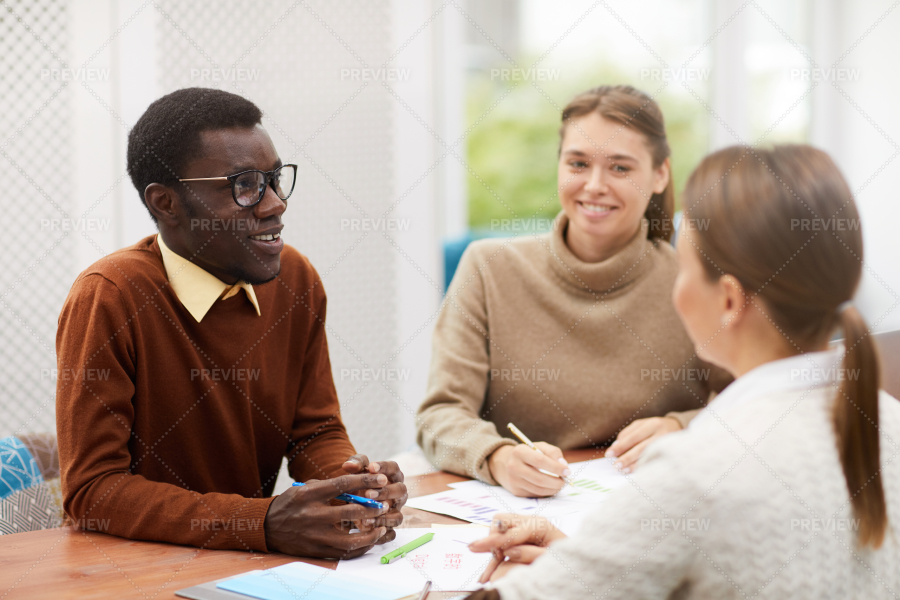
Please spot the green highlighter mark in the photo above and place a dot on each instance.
(590, 485)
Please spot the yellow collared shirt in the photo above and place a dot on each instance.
(196, 288)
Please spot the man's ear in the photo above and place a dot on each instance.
(163, 203)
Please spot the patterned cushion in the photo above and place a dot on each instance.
(18, 469)
(27, 502)
(37, 507)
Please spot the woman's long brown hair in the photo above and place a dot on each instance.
(632, 108)
(784, 223)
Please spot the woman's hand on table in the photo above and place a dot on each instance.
(518, 469)
(632, 440)
(514, 540)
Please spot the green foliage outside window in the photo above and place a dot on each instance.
(512, 151)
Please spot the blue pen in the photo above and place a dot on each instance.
(355, 499)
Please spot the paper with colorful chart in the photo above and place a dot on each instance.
(478, 502)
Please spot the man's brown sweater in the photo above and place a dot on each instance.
(174, 430)
(569, 351)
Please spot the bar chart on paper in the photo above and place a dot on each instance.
(592, 479)
(477, 510)
(478, 502)
(588, 485)
(477, 507)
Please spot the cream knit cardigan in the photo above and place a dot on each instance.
(748, 502)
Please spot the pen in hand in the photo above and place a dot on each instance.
(354, 499)
(524, 439)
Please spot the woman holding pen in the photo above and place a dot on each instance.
(787, 484)
(570, 335)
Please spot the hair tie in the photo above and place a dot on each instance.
(844, 306)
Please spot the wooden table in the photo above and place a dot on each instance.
(70, 563)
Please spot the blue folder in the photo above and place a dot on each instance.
(300, 580)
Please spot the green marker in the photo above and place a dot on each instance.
(404, 550)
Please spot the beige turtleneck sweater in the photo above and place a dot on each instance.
(569, 351)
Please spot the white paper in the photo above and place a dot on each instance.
(598, 476)
(446, 561)
(570, 524)
(478, 502)
(505, 501)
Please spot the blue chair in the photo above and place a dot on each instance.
(454, 248)
(453, 251)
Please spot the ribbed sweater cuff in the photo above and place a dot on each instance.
(249, 530)
(480, 453)
(684, 417)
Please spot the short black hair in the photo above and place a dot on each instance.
(168, 132)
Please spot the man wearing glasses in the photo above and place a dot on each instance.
(199, 359)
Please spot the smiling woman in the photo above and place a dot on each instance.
(760, 297)
(614, 167)
(571, 335)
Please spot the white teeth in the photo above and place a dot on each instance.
(596, 208)
(266, 238)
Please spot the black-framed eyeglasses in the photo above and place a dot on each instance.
(248, 187)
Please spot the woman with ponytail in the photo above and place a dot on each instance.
(787, 485)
